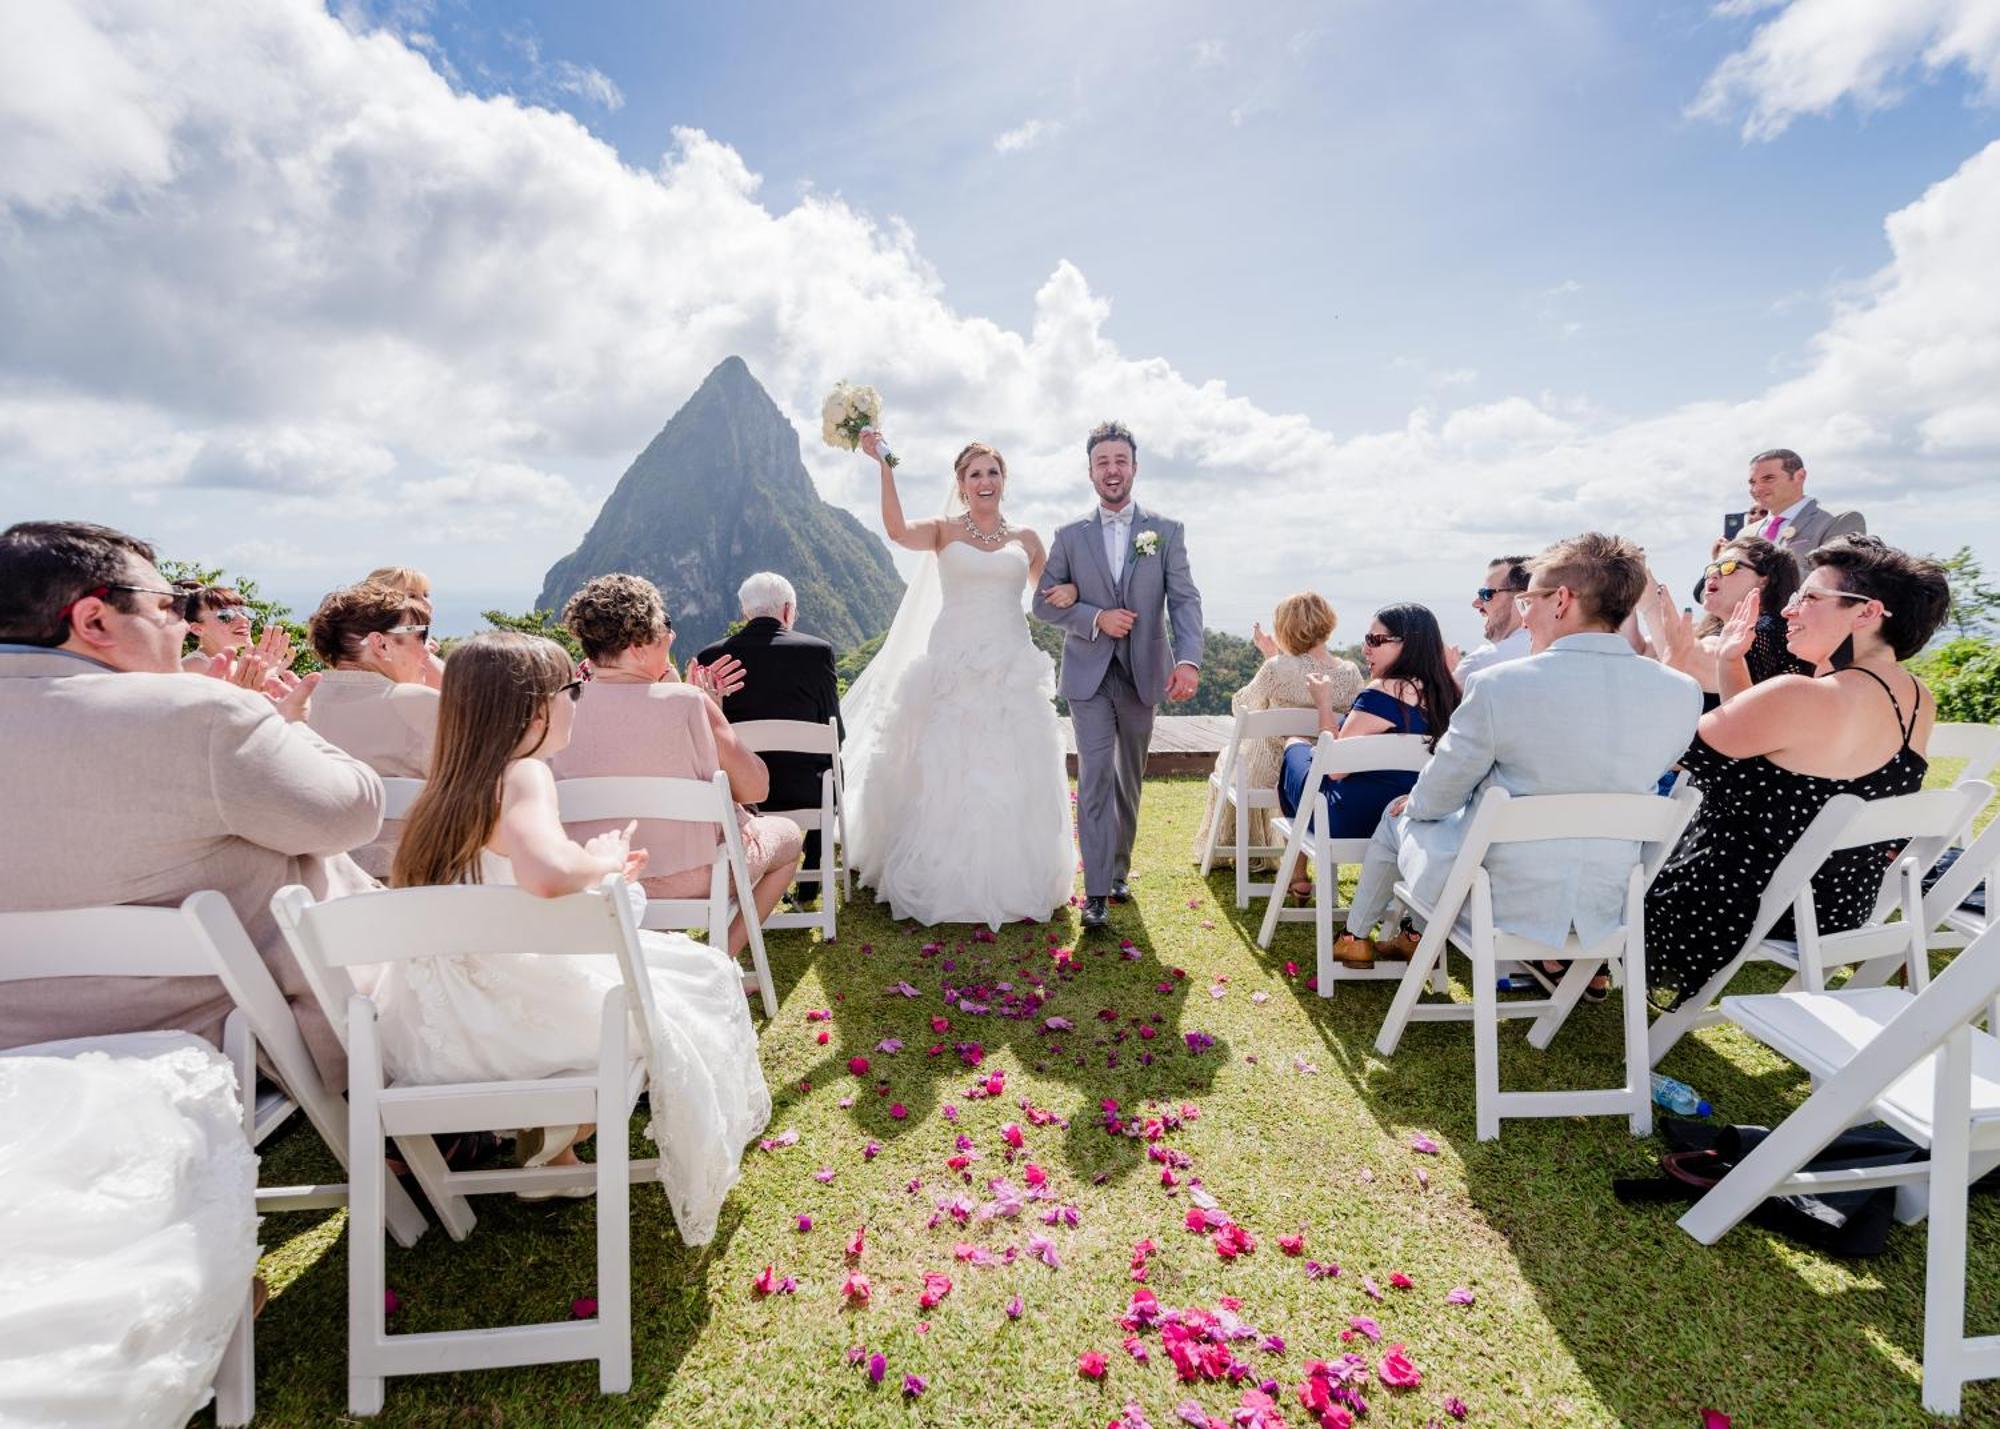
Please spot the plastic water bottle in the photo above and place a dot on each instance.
(1678, 1097)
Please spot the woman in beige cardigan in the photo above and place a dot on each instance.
(377, 700)
(1301, 625)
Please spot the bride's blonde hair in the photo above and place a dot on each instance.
(964, 458)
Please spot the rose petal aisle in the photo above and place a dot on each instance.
(1150, 1179)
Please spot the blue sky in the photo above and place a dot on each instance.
(1387, 286)
(1509, 189)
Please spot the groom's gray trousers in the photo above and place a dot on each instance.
(1113, 728)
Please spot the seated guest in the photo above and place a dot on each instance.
(1410, 691)
(1742, 567)
(376, 699)
(1293, 653)
(219, 623)
(1582, 715)
(1770, 757)
(786, 675)
(147, 786)
(407, 579)
(634, 718)
(488, 815)
(1506, 636)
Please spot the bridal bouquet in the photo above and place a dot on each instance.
(850, 411)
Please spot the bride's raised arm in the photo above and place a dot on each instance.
(915, 535)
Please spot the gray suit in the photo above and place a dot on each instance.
(1814, 526)
(1586, 716)
(1112, 685)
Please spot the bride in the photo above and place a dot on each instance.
(958, 804)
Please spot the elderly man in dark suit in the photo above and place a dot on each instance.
(786, 675)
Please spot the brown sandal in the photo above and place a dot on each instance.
(1399, 949)
(1350, 951)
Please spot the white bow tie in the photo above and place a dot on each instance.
(1120, 518)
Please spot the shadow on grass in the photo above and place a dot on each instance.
(1648, 1314)
(984, 1002)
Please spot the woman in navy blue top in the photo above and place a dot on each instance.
(1410, 691)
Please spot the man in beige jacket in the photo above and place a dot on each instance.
(127, 781)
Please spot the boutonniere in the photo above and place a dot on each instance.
(1785, 533)
(1147, 543)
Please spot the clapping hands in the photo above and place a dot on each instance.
(1739, 632)
(1266, 646)
(718, 680)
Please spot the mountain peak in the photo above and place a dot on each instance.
(719, 493)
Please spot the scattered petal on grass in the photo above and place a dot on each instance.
(1460, 1295)
(1090, 1364)
(824, 1175)
(914, 1385)
(1014, 1307)
(1423, 1145)
(889, 1046)
(1714, 1419)
(1455, 1407)
(858, 1066)
(898, 1111)
(771, 1283)
(857, 1242)
(1292, 1244)
(1365, 1325)
(936, 1286)
(878, 1365)
(1401, 1281)
(1396, 1370)
(1044, 1250)
(778, 1142)
(391, 1302)
(856, 1288)
(805, 1223)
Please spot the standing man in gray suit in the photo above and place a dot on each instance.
(1796, 522)
(1583, 714)
(1113, 583)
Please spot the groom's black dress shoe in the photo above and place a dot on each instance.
(1095, 915)
(1121, 891)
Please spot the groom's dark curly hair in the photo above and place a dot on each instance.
(1111, 432)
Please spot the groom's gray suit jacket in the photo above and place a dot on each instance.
(1156, 588)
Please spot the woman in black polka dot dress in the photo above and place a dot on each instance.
(1770, 757)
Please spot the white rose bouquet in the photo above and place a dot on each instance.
(848, 412)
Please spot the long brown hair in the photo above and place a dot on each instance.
(495, 685)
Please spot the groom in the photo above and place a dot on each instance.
(1130, 572)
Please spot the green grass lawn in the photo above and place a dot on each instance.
(1584, 1311)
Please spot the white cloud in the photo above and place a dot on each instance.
(1026, 136)
(299, 261)
(586, 83)
(1817, 53)
(1210, 54)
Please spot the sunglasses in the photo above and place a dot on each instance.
(1525, 601)
(181, 596)
(1376, 642)
(229, 614)
(574, 689)
(420, 630)
(1715, 570)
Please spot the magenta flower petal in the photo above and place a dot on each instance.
(914, 1385)
(1423, 1145)
(1460, 1295)
(878, 1365)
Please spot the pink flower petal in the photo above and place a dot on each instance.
(878, 1365)
(1366, 1325)
(1460, 1295)
(1396, 1370)
(1423, 1145)
(1090, 1364)
(1401, 1281)
(914, 1385)
(1714, 1419)
(1014, 1308)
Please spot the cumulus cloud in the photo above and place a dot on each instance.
(290, 258)
(1817, 53)
(1026, 136)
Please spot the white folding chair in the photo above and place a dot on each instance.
(1462, 917)
(1915, 1061)
(401, 924)
(398, 795)
(797, 736)
(1231, 795)
(1306, 841)
(204, 938)
(1925, 823)
(1977, 744)
(1952, 924)
(624, 797)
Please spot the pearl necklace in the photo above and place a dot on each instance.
(980, 536)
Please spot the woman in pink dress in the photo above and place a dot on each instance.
(636, 717)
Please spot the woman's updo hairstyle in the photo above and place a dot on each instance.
(1915, 594)
(975, 449)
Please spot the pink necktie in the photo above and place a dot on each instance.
(1773, 527)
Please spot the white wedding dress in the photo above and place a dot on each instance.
(464, 1018)
(958, 802)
